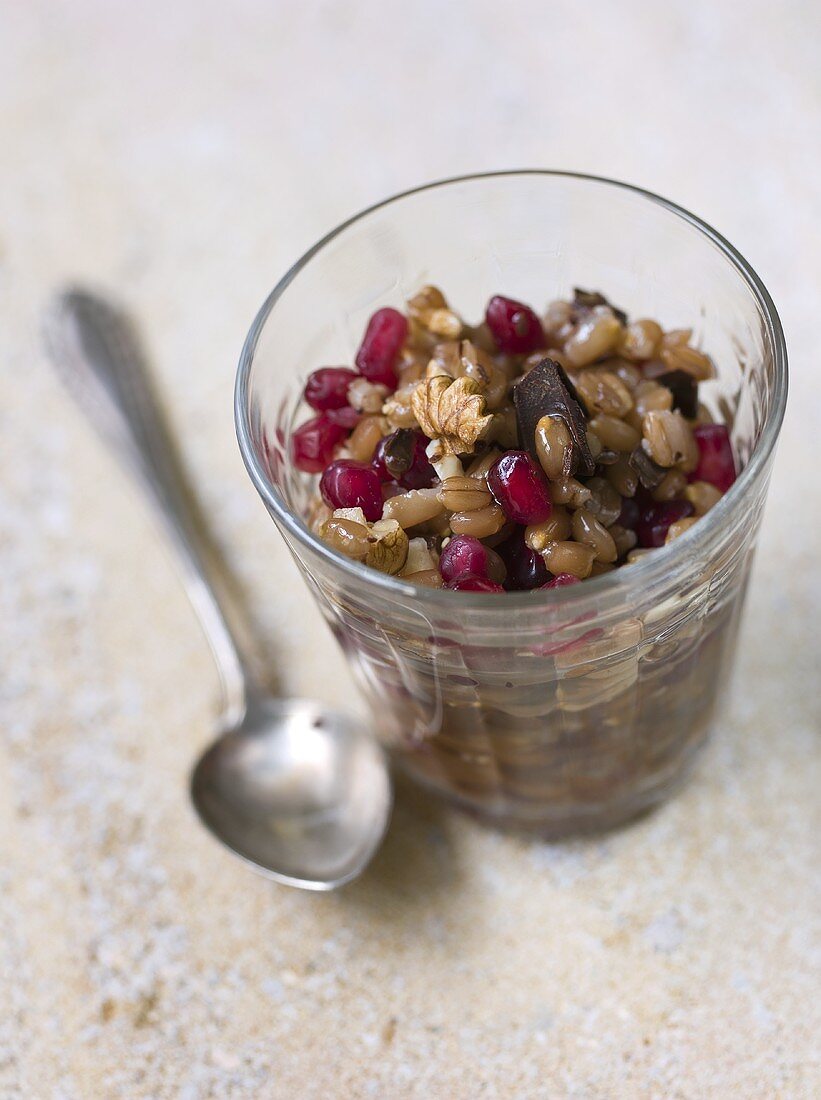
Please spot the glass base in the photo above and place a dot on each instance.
(551, 823)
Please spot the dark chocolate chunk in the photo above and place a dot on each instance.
(547, 391)
(649, 472)
(398, 452)
(587, 299)
(684, 389)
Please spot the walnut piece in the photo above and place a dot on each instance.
(398, 410)
(387, 546)
(451, 412)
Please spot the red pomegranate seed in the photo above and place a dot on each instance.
(525, 568)
(520, 488)
(656, 518)
(346, 418)
(561, 580)
(465, 555)
(313, 443)
(349, 484)
(380, 347)
(469, 582)
(402, 456)
(327, 388)
(515, 327)
(716, 463)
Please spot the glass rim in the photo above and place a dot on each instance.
(665, 563)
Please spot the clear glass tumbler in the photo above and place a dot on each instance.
(560, 710)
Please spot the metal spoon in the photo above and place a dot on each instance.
(299, 792)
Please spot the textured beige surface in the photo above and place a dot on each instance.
(185, 154)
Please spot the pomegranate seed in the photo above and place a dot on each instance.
(716, 463)
(313, 443)
(520, 488)
(465, 555)
(561, 580)
(656, 518)
(380, 347)
(525, 568)
(402, 456)
(327, 388)
(349, 484)
(346, 418)
(515, 327)
(629, 514)
(469, 582)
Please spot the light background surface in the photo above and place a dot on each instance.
(184, 155)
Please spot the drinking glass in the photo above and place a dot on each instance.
(555, 711)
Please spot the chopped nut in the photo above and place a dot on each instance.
(365, 396)
(444, 322)
(429, 310)
(452, 412)
(398, 409)
(387, 546)
(355, 515)
(478, 365)
(419, 558)
(445, 465)
(427, 299)
(503, 429)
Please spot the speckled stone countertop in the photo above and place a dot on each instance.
(184, 155)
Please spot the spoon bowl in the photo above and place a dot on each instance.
(298, 791)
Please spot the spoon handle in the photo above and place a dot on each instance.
(97, 354)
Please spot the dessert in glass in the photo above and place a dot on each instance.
(527, 509)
